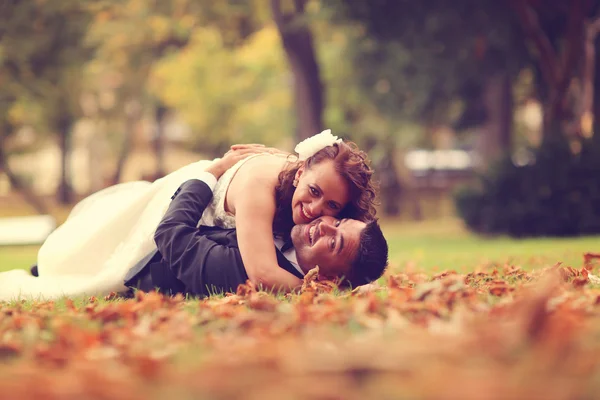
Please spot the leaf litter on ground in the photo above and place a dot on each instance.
(488, 334)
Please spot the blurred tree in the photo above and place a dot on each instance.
(594, 81)
(436, 63)
(349, 110)
(441, 63)
(589, 106)
(556, 33)
(472, 49)
(133, 37)
(8, 129)
(228, 95)
(297, 39)
(244, 91)
(43, 56)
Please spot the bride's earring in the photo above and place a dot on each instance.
(295, 183)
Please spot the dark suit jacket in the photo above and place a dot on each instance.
(197, 261)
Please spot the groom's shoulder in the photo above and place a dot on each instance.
(195, 186)
(195, 183)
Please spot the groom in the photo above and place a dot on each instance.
(206, 260)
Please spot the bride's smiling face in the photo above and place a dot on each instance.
(320, 191)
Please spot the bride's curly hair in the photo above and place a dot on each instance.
(351, 163)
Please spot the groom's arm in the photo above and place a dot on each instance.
(187, 251)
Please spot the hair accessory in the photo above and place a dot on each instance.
(309, 147)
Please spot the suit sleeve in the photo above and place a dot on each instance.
(187, 251)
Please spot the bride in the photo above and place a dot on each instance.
(262, 196)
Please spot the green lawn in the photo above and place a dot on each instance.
(445, 244)
(17, 257)
(431, 245)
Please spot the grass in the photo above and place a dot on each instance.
(431, 245)
(446, 244)
(22, 257)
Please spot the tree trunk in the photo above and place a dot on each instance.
(159, 114)
(594, 100)
(123, 153)
(299, 47)
(390, 187)
(19, 186)
(132, 116)
(596, 106)
(96, 155)
(65, 191)
(557, 67)
(495, 134)
(585, 118)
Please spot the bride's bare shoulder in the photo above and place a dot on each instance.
(263, 169)
(260, 173)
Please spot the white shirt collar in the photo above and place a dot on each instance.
(290, 255)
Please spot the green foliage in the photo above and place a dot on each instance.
(558, 195)
(228, 95)
(218, 65)
(41, 74)
(418, 59)
(42, 53)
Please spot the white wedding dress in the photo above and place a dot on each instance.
(106, 234)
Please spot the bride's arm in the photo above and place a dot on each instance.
(255, 209)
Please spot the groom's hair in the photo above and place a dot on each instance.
(371, 259)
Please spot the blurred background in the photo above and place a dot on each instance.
(482, 114)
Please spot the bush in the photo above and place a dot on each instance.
(557, 195)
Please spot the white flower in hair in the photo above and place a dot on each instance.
(308, 147)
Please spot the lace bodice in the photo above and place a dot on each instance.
(215, 214)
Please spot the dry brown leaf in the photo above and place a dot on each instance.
(262, 301)
(388, 340)
(588, 259)
(310, 277)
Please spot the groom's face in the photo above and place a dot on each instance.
(329, 243)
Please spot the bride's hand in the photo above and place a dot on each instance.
(219, 166)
